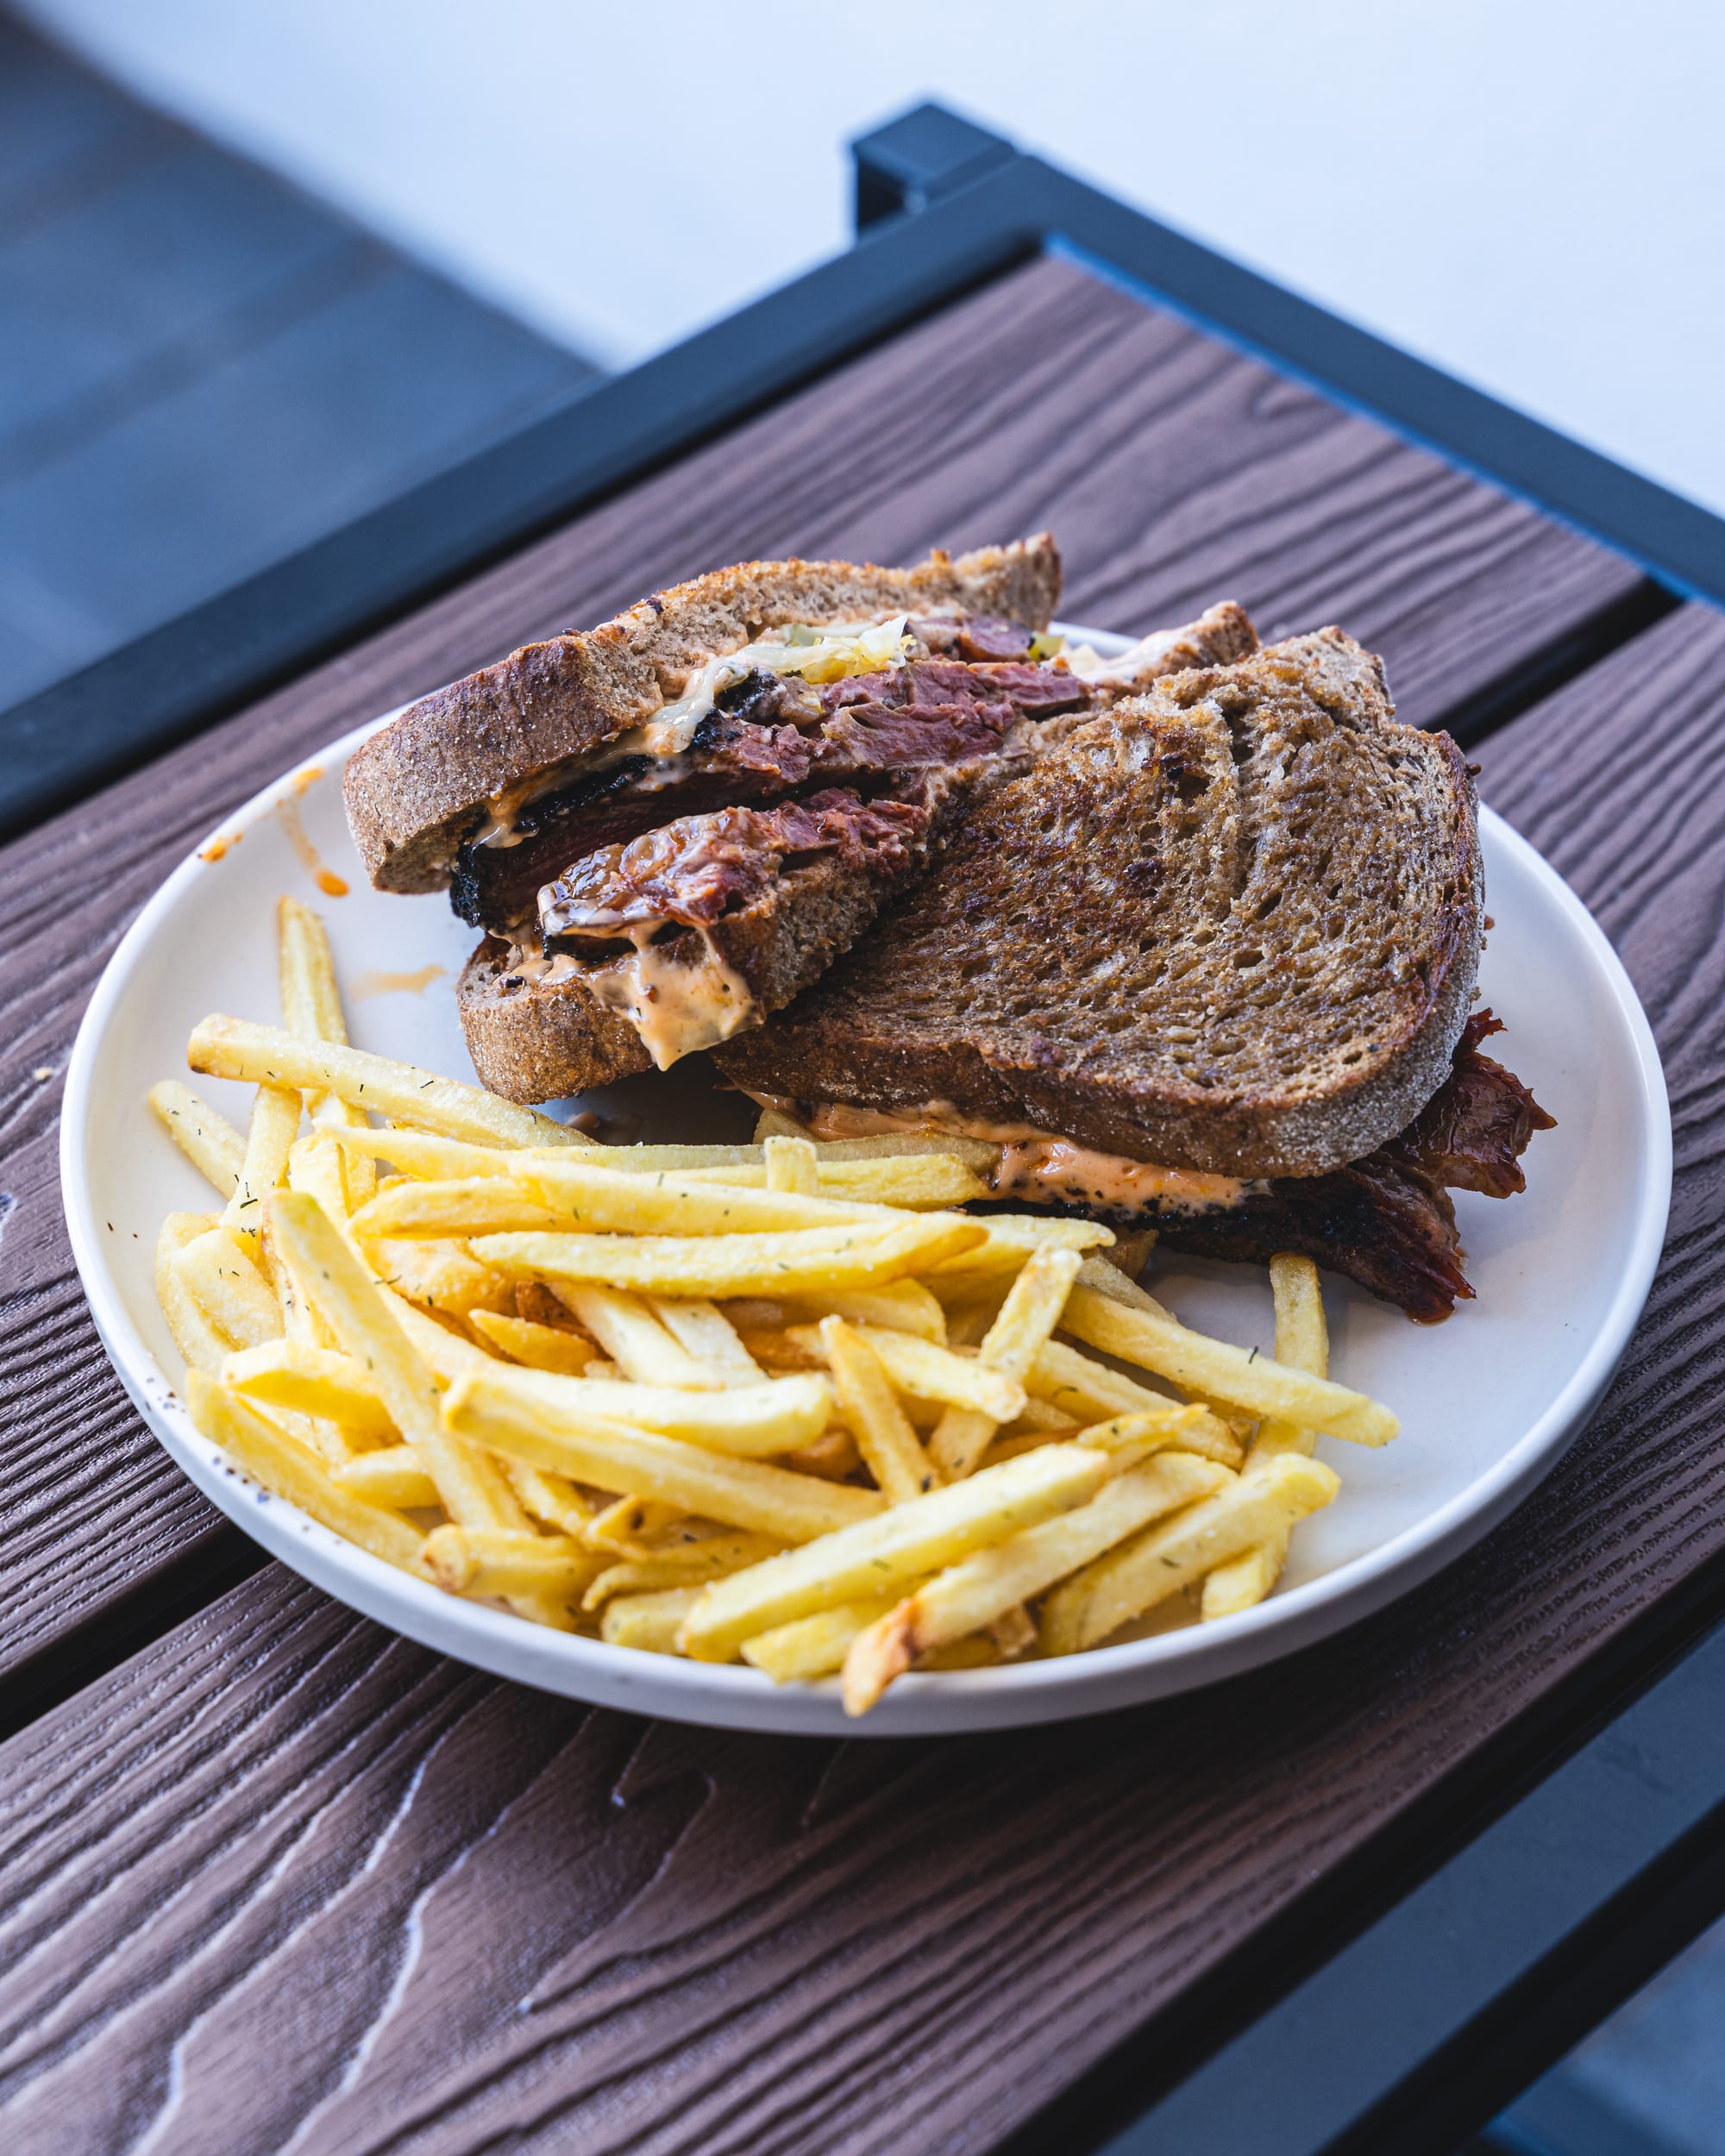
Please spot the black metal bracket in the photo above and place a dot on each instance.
(1439, 2013)
(913, 160)
(1414, 2001)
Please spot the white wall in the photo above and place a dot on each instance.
(1531, 192)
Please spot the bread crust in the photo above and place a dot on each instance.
(541, 1043)
(1087, 835)
(546, 1041)
(415, 790)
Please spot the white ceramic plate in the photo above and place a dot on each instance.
(1488, 1402)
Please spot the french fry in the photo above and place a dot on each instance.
(629, 1527)
(1013, 1237)
(444, 1276)
(206, 1137)
(446, 1354)
(889, 1446)
(552, 1498)
(915, 1180)
(274, 1126)
(540, 1347)
(488, 1407)
(333, 1281)
(1108, 1278)
(390, 1477)
(478, 1204)
(265, 1055)
(992, 1582)
(384, 1336)
(717, 1265)
(683, 1565)
(809, 1647)
(223, 1280)
(917, 1537)
(286, 1467)
(535, 1301)
(978, 1154)
(300, 1321)
(775, 1123)
(495, 1561)
(920, 1367)
(631, 1333)
(310, 1001)
(1171, 1428)
(1302, 1332)
(774, 1415)
(747, 1163)
(777, 1350)
(1031, 1311)
(202, 1344)
(899, 1172)
(1012, 1634)
(903, 1305)
(1302, 1343)
(1164, 1559)
(1042, 1418)
(1130, 1252)
(650, 1622)
(1027, 1317)
(1075, 1384)
(315, 1382)
(968, 1322)
(975, 1653)
(832, 1455)
(1251, 1382)
(703, 1330)
(316, 1166)
(312, 1007)
(1171, 1425)
(605, 1200)
(422, 1154)
(792, 1164)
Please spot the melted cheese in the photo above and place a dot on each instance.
(1033, 1164)
(824, 654)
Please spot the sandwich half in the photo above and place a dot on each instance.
(668, 826)
(1205, 961)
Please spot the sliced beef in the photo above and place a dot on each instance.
(693, 932)
(692, 872)
(1474, 1130)
(972, 636)
(769, 735)
(1388, 1221)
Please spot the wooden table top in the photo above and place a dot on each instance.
(277, 1874)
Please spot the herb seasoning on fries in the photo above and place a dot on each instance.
(788, 1404)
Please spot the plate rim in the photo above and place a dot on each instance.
(734, 1695)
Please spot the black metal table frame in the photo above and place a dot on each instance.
(1513, 1912)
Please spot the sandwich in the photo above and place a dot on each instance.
(1205, 962)
(667, 827)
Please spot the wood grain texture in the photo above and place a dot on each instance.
(1175, 471)
(284, 1880)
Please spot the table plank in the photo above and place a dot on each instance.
(1175, 471)
(453, 1916)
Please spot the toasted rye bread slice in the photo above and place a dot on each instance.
(1233, 925)
(414, 790)
(542, 1040)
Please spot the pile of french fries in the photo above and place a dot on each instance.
(786, 1402)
